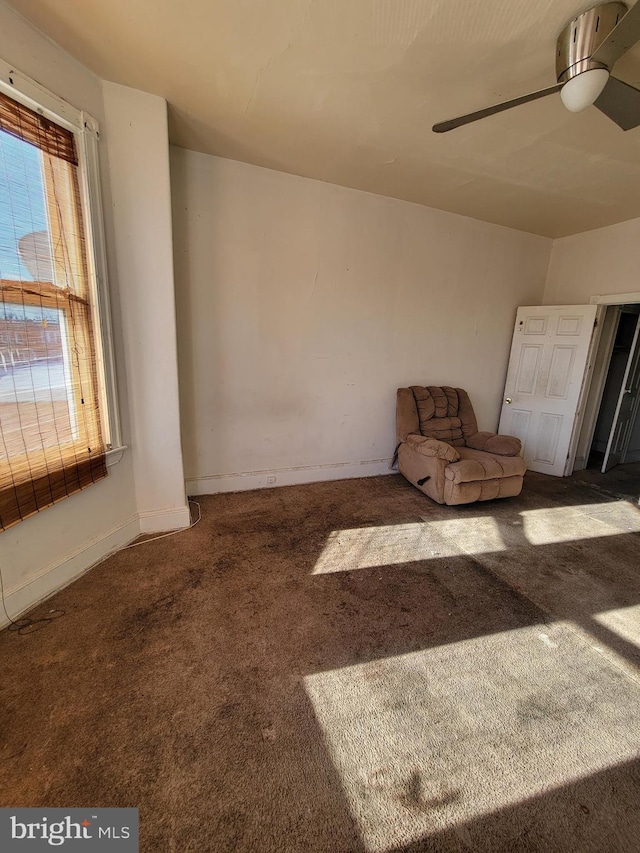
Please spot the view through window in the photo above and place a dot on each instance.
(51, 441)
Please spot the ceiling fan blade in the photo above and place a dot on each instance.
(621, 103)
(621, 38)
(444, 126)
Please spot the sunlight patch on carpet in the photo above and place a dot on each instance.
(395, 544)
(571, 523)
(434, 739)
(364, 547)
(623, 621)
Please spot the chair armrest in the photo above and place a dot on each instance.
(432, 447)
(502, 445)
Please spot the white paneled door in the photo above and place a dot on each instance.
(546, 371)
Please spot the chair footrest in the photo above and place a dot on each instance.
(478, 465)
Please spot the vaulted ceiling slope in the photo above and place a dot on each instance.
(346, 91)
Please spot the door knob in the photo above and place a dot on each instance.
(508, 400)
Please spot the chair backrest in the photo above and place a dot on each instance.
(438, 412)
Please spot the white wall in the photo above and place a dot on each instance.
(46, 551)
(302, 306)
(138, 148)
(603, 261)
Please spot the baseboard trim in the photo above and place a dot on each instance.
(161, 520)
(61, 573)
(244, 481)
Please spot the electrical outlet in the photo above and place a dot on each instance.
(270, 481)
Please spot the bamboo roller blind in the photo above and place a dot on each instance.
(29, 126)
(51, 441)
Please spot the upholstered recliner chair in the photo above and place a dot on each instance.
(442, 453)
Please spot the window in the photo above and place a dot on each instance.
(54, 417)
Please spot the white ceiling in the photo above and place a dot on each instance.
(347, 91)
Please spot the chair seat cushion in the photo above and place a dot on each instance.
(477, 465)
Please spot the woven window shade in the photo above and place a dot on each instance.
(51, 442)
(26, 124)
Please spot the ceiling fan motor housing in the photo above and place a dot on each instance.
(582, 36)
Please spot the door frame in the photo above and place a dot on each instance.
(595, 382)
(627, 380)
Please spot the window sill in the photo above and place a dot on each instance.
(115, 455)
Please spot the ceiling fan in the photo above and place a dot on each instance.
(586, 52)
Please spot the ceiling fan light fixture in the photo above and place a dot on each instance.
(587, 50)
(581, 91)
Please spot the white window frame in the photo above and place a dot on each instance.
(86, 131)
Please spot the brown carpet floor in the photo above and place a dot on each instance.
(347, 666)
